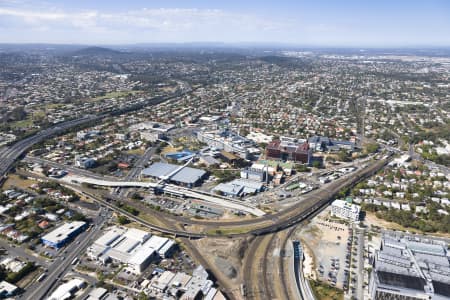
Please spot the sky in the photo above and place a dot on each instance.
(333, 23)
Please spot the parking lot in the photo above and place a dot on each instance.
(330, 243)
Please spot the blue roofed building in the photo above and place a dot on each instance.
(63, 234)
(180, 156)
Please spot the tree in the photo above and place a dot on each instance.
(317, 164)
(371, 148)
(122, 220)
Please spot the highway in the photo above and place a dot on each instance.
(9, 154)
(83, 176)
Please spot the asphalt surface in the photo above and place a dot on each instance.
(62, 263)
(9, 154)
(20, 252)
(270, 223)
(137, 168)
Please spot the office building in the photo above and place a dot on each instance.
(346, 210)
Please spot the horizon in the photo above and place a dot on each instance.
(322, 24)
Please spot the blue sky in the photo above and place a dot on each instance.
(375, 23)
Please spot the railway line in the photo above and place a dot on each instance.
(268, 287)
(266, 224)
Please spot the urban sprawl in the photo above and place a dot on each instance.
(224, 174)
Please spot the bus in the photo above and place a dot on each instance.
(41, 277)
(74, 261)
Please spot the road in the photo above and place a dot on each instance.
(360, 266)
(61, 265)
(84, 176)
(265, 224)
(20, 252)
(137, 168)
(71, 169)
(10, 154)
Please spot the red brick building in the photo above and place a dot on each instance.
(281, 150)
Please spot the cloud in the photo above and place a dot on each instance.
(160, 24)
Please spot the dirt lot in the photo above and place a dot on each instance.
(16, 181)
(226, 255)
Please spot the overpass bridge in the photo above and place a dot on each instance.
(170, 189)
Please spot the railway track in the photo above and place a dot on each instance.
(247, 287)
(268, 287)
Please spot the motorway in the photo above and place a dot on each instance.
(267, 225)
(9, 154)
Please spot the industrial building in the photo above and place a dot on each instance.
(229, 141)
(346, 210)
(289, 149)
(183, 286)
(67, 290)
(185, 176)
(410, 267)
(7, 289)
(134, 247)
(63, 234)
(239, 188)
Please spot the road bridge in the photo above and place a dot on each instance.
(170, 189)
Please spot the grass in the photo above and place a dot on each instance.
(169, 149)
(226, 231)
(23, 123)
(114, 95)
(15, 181)
(151, 219)
(137, 151)
(325, 292)
(53, 105)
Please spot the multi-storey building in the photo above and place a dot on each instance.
(289, 149)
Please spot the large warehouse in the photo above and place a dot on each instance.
(63, 234)
(410, 267)
(184, 176)
(134, 247)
